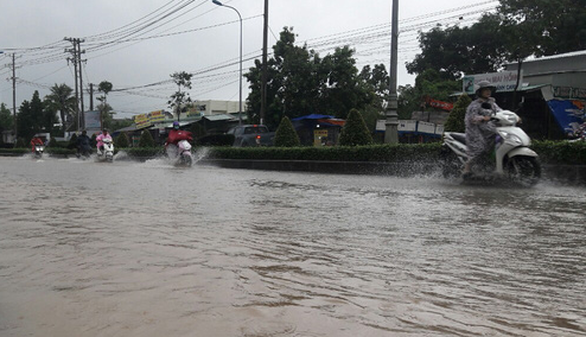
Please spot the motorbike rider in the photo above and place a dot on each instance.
(83, 143)
(175, 136)
(100, 140)
(36, 141)
(480, 132)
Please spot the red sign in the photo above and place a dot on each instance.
(439, 104)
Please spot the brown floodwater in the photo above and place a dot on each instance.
(146, 249)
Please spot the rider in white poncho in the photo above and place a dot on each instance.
(480, 132)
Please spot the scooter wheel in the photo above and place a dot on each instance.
(523, 170)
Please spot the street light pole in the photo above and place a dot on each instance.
(216, 2)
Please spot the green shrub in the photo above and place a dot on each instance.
(122, 140)
(20, 143)
(72, 142)
(560, 152)
(60, 151)
(15, 150)
(355, 131)
(216, 140)
(455, 121)
(146, 139)
(93, 141)
(53, 142)
(286, 136)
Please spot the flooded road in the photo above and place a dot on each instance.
(145, 249)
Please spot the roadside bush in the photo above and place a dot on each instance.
(93, 141)
(72, 142)
(14, 151)
(53, 142)
(286, 136)
(455, 122)
(560, 152)
(355, 131)
(121, 140)
(20, 143)
(60, 151)
(216, 140)
(144, 152)
(146, 140)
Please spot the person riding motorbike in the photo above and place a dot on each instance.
(100, 140)
(480, 132)
(83, 143)
(36, 141)
(175, 136)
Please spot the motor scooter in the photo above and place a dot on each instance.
(107, 153)
(39, 150)
(513, 159)
(180, 154)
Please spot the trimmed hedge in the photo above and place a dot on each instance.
(143, 152)
(18, 150)
(550, 152)
(372, 153)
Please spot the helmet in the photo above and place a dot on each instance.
(175, 125)
(105, 130)
(484, 84)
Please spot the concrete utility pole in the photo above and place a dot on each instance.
(91, 97)
(391, 135)
(263, 85)
(14, 95)
(76, 60)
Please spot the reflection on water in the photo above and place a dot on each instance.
(146, 249)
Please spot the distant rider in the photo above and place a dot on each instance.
(36, 141)
(480, 132)
(175, 136)
(83, 143)
(100, 140)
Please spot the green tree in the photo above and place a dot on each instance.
(180, 97)
(6, 118)
(429, 83)
(106, 113)
(300, 82)
(355, 131)
(122, 140)
(455, 121)
(286, 136)
(30, 117)
(146, 139)
(60, 99)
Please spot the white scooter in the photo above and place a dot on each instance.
(107, 153)
(180, 154)
(39, 150)
(514, 160)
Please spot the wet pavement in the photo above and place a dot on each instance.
(146, 249)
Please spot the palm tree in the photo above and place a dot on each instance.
(62, 100)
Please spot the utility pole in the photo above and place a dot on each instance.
(392, 122)
(263, 85)
(91, 97)
(76, 60)
(14, 95)
(79, 60)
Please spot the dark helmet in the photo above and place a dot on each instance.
(484, 85)
(175, 125)
(84, 132)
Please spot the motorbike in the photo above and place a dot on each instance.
(180, 154)
(39, 150)
(512, 158)
(107, 153)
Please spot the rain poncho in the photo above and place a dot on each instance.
(480, 134)
(100, 139)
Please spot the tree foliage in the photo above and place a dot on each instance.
(518, 29)
(6, 118)
(300, 82)
(429, 83)
(60, 99)
(455, 121)
(286, 136)
(146, 139)
(33, 117)
(355, 131)
(122, 140)
(181, 96)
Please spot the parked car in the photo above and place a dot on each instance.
(252, 135)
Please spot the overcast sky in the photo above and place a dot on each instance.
(200, 38)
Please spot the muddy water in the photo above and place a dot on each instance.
(145, 249)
